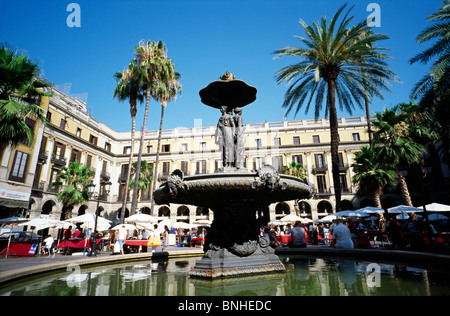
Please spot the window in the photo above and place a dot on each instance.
(166, 168)
(18, 169)
(75, 155)
(316, 139)
(319, 161)
(127, 150)
(258, 142)
(203, 146)
(201, 167)
(297, 159)
(63, 123)
(277, 141)
(59, 150)
(149, 149)
(258, 162)
(49, 116)
(341, 160)
(321, 184)
(88, 160)
(93, 139)
(184, 147)
(184, 166)
(343, 182)
(107, 146)
(356, 137)
(277, 162)
(165, 148)
(78, 132)
(296, 140)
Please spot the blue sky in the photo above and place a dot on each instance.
(204, 38)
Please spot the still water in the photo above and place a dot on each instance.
(304, 276)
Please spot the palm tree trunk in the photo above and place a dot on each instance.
(155, 178)
(334, 144)
(141, 146)
(376, 198)
(403, 187)
(130, 162)
(369, 128)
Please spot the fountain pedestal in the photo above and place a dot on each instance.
(239, 198)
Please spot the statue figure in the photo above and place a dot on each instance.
(240, 139)
(225, 135)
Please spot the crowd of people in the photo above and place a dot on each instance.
(411, 234)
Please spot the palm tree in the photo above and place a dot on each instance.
(296, 170)
(395, 146)
(21, 88)
(145, 176)
(433, 90)
(336, 63)
(372, 174)
(167, 89)
(129, 87)
(149, 56)
(75, 179)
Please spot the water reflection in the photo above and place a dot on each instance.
(304, 277)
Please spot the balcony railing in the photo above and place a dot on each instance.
(319, 169)
(58, 160)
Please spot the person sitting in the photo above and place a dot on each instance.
(298, 236)
(48, 244)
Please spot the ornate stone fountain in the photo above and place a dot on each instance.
(239, 198)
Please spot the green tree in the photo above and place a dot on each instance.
(21, 88)
(433, 90)
(296, 170)
(145, 177)
(338, 61)
(150, 57)
(129, 88)
(372, 174)
(395, 146)
(167, 89)
(75, 179)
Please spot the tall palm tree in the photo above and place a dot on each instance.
(296, 169)
(433, 90)
(372, 174)
(145, 176)
(395, 146)
(21, 88)
(149, 56)
(75, 180)
(129, 87)
(331, 66)
(167, 89)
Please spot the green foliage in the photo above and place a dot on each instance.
(296, 169)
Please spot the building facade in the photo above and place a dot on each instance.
(74, 135)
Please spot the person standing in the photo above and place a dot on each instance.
(342, 236)
(298, 235)
(165, 238)
(121, 237)
(67, 236)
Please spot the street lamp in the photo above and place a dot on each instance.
(107, 186)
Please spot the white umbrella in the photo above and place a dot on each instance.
(127, 227)
(437, 217)
(404, 209)
(89, 219)
(405, 216)
(326, 219)
(350, 213)
(42, 223)
(370, 210)
(436, 207)
(275, 222)
(141, 218)
(182, 225)
(203, 222)
(291, 218)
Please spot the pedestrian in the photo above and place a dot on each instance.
(298, 236)
(121, 237)
(67, 236)
(342, 235)
(326, 232)
(165, 238)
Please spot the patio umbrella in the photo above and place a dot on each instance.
(326, 219)
(350, 213)
(291, 218)
(275, 222)
(436, 207)
(182, 225)
(370, 210)
(88, 220)
(127, 227)
(437, 217)
(405, 216)
(404, 209)
(141, 218)
(204, 222)
(43, 223)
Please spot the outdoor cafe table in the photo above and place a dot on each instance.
(78, 243)
(136, 242)
(284, 239)
(197, 241)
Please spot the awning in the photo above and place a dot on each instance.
(13, 203)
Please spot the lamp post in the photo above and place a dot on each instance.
(91, 187)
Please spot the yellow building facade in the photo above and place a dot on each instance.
(74, 135)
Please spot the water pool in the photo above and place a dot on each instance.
(305, 276)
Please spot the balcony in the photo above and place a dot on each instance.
(323, 192)
(60, 161)
(105, 175)
(43, 155)
(319, 169)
